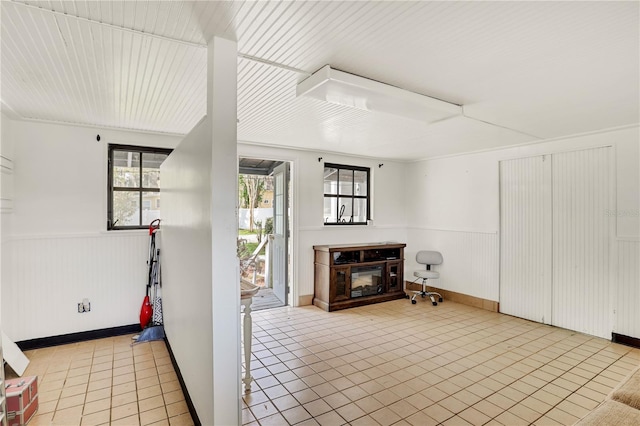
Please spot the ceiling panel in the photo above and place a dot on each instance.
(542, 69)
(77, 71)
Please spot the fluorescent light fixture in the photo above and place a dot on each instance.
(341, 88)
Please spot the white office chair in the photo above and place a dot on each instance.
(427, 258)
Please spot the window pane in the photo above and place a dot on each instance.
(149, 210)
(360, 179)
(360, 210)
(126, 208)
(126, 169)
(330, 180)
(278, 200)
(345, 210)
(346, 182)
(151, 169)
(352, 189)
(330, 209)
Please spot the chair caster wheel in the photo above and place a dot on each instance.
(440, 300)
(435, 303)
(413, 302)
(406, 296)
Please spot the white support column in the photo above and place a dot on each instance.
(221, 108)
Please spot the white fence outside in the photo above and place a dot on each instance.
(258, 214)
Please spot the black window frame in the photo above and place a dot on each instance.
(353, 197)
(141, 189)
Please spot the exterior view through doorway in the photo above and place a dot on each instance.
(263, 229)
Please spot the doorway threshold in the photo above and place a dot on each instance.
(265, 299)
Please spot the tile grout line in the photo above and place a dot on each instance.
(559, 354)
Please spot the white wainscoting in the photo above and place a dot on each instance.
(51, 274)
(628, 287)
(471, 259)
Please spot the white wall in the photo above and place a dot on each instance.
(457, 197)
(60, 249)
(201, 285)
(222, 78)
(308, 229)
(6, 167)
(186, 263)
(6, 201)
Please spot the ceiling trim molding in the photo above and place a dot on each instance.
(97, 126)
(249, 143)
(273, 64)
(541, 141)
(464, 114)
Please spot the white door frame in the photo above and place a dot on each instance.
(266, 153)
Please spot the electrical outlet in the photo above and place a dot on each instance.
(84, 306)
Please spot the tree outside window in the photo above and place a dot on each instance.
(134, 186)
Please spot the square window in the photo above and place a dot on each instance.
(134, 186)
(346, 195)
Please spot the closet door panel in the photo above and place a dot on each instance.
(525, 238)
(581, 239)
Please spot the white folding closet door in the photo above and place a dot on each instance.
(525, 238)
(581, 239)
(555, 238)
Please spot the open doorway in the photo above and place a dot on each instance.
(263, 229)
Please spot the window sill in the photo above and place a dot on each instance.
(125, 231)
(347, 224)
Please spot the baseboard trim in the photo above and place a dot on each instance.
(63, 339)
(306, 300)
(464, 299)
(625, 340)
(187, 398)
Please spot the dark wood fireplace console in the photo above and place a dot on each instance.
(351, 275)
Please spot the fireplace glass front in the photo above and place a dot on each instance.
(366, 281)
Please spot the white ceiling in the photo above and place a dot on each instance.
(523, 71)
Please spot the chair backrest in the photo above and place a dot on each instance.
(426, 257)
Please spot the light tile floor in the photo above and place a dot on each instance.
(107, 381)
(397, 363)
(265, 299)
